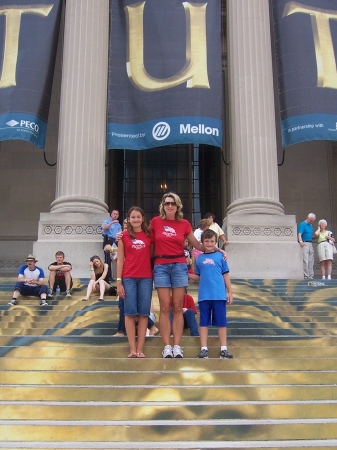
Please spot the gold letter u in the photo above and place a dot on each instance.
(194, 71)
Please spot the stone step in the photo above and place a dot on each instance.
(172, 376)
(168, 393)
(77, 352)
(161, 430)
(145, 410)
(126, 365)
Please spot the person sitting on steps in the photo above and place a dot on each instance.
(30, 282)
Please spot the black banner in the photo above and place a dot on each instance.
(165, 73)
(29, 32)
(306, 48)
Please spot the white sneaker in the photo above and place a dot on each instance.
(68, 294)
(177, 352)
(43, 303)
(329, 277)
(167, 352)
(323, 277)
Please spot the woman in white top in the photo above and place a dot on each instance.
(325, 243)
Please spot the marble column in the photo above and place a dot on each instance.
(256, 226)
(79, 208)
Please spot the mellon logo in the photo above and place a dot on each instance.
(198, 129)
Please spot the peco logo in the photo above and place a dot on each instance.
(161, 131)
(24, 124)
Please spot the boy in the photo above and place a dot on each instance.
(213, 272)
(59, 275)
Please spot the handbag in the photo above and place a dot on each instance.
(334, 249)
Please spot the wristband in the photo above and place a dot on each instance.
(118, 279)
(92, 270)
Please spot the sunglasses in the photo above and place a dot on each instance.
(170, 204)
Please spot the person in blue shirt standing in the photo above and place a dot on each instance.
(305, 234)
(215, 293)
(110, 228)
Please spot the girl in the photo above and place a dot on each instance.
(203, 225)
(99, 276)
(134, 278)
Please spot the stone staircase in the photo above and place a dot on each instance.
(66, 382)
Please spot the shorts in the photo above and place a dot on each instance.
(34, 291)
(172, 275)
(215, 310)
(138, 295)
(61, 282)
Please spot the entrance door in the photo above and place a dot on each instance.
(142, 177)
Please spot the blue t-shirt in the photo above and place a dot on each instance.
(211, 267)
(112, 230)
(306, 230)
(36, 274)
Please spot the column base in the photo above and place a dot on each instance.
(78, 235)
(255, 206)
(263, 246)
(78, 204)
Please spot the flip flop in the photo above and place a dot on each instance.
(133, 355)
(140, 355)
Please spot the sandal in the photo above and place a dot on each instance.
(101, 299)
(84, 299)
(140, 355)
(133, 355)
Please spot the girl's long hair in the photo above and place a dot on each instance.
(144, 225)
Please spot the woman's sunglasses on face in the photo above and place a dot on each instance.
(170, 204)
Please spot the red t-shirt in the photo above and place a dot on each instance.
(137, 255)
(169, 236)
(188, 303)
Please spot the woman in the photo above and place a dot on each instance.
(325, 243)
(134, 278)
(98, 280)
(170, 268)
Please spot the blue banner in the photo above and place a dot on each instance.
(306, 44)
(28, 43)
(165, 74)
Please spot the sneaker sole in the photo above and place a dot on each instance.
(226, 357)
(178, 356)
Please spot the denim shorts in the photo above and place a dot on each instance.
(215, 310)
(138, 295)
(34, 291)
(170, 275)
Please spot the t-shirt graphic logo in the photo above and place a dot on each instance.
(168, 231)
(209, 261)
(138, 244)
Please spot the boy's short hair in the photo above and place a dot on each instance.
(59, 253)
(209, 234)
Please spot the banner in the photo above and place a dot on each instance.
(165, 73)
(306, 45)
(29, 32)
